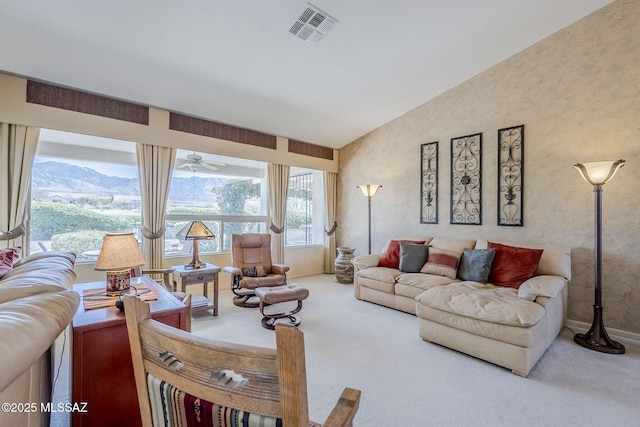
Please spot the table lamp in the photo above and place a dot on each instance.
(119, 254)
(195, 230)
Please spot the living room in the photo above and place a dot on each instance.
(577, 93)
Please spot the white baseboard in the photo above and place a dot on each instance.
(617, 333)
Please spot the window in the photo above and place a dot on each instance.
(305, 208)
(228, 194)
(82, 187)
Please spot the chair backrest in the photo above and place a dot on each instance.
(198, 377)
(251, 249)
(160, 275)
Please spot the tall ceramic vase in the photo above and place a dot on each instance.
(343, 266)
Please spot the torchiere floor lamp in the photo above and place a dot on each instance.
(597, 174)
(369, 190)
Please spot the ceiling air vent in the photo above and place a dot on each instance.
(312, 25)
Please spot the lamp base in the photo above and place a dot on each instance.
(194, 265)
(597, 338)
(195, 260)
(117, 281)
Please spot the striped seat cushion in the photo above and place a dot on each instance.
(172, 407)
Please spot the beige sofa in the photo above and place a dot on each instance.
(503, 325)
(35, 307)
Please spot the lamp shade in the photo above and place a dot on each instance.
(119, 251)
(598, 173)
(195, 230)
(369, 190)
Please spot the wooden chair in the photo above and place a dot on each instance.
(182, 375)
(165, 273)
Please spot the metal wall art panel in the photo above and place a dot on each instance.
(510, 176)
(466, 179)
(429, 183)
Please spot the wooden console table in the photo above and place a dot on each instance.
(102, 372)
(203, 275)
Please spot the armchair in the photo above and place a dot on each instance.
(252, 268)
(183, 378)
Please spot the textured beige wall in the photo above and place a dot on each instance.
(578, 95)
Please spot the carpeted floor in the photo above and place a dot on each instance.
(406, 381)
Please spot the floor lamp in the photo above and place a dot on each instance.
(597, 174)
(369, 190)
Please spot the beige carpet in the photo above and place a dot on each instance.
(406, 381)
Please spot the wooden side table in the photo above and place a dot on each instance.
(203, 275)
(102, 372)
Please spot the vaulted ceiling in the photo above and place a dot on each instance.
(236, 62)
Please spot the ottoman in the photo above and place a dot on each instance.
(280, 294)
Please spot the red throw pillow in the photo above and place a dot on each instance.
(513, 265)
(8, 257)
(391, 258)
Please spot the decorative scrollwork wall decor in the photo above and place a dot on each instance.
(510, 175)
(429, 183)
(466, 174)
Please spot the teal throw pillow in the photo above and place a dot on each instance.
(475, 264)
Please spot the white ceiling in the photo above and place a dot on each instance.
(235, 62)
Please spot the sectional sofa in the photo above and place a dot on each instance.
(502, 302)
(36, 305)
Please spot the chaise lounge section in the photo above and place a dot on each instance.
(509, 314)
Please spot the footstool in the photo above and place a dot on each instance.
(279, 294)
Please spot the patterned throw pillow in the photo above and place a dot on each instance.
(8, 257)
(175, 407)
(391, 258)
(442, 263)
(513, 265)
(254, 271)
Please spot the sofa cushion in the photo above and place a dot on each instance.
(391, 258)
(513, 265)
(516, 335)
(449, 244)
(484, 302)
(413, 284)
(442, 262)
(412, 257)
(382, 279)
(475, 264)
(8, 256)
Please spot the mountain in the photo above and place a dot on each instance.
(50, 179)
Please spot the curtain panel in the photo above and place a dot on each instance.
(155, 167)
(17, 150)
(330, 224)
(278, 192)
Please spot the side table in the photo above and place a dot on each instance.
(203, 275)
(102, 372)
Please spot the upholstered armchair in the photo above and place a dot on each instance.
(252, 267)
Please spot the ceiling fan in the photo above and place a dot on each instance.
(194, 162)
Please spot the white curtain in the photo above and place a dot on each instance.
(17, 150)
(278, 192)
(330, 224)
(155, 167)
